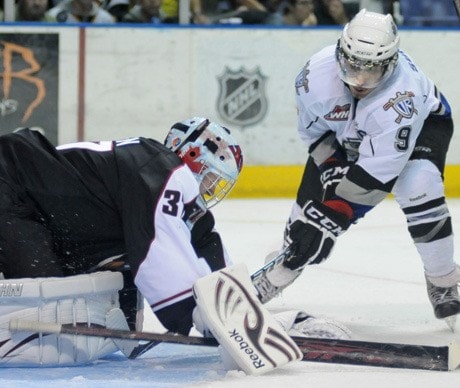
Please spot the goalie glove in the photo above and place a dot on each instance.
(312, 236)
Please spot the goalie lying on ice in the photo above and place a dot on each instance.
(132, 205)
(135, 206)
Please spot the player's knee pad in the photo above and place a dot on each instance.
(78, 300)
(419, 182)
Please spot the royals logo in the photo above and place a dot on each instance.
(403, 105)
(242, 99)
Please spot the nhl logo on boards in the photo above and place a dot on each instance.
(242, 99)
(403, 105)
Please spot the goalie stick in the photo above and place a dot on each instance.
(390, 355)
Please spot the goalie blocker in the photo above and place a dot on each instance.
(247, 332)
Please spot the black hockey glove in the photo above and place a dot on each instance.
(312, 236)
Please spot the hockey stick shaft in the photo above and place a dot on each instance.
(441, 358)
(92, 331)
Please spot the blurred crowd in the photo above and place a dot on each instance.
(268, 12)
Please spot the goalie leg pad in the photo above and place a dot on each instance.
(77, 300)
(242, 326)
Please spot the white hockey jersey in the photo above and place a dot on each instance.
(379, 131)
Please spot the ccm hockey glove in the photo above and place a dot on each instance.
(312, 236)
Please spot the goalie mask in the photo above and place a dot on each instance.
(211, 153)
(367, 51)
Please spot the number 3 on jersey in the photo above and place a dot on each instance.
(172, 207)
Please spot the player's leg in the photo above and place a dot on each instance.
(131, 300)
(310, 188)
(79, 300)
(419, 191)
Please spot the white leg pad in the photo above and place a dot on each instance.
(117, 320)
(242, 326)
(82, 300)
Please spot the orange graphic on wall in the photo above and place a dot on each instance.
(27, 74)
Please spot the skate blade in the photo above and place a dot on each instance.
(451, 321)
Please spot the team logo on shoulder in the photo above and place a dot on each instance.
(302, 79)
(403, 104)
(242, 99)
(339, 113)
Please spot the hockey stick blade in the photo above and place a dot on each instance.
(365, 353)
(389, 355)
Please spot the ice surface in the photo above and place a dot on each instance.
(373, 283)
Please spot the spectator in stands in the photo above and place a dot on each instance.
(117, 8)
(330, 12)
(423, 13)
(373, 5)
(170, 8)
(248, 12)
(146, 11)
(32, 10)
(270, 10)
(276, 9)
(76, 11)
(300, 13)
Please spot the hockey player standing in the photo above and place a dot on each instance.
(374, 124)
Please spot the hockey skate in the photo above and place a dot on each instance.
(446, 303)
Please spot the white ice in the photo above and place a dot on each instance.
(373, 283)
